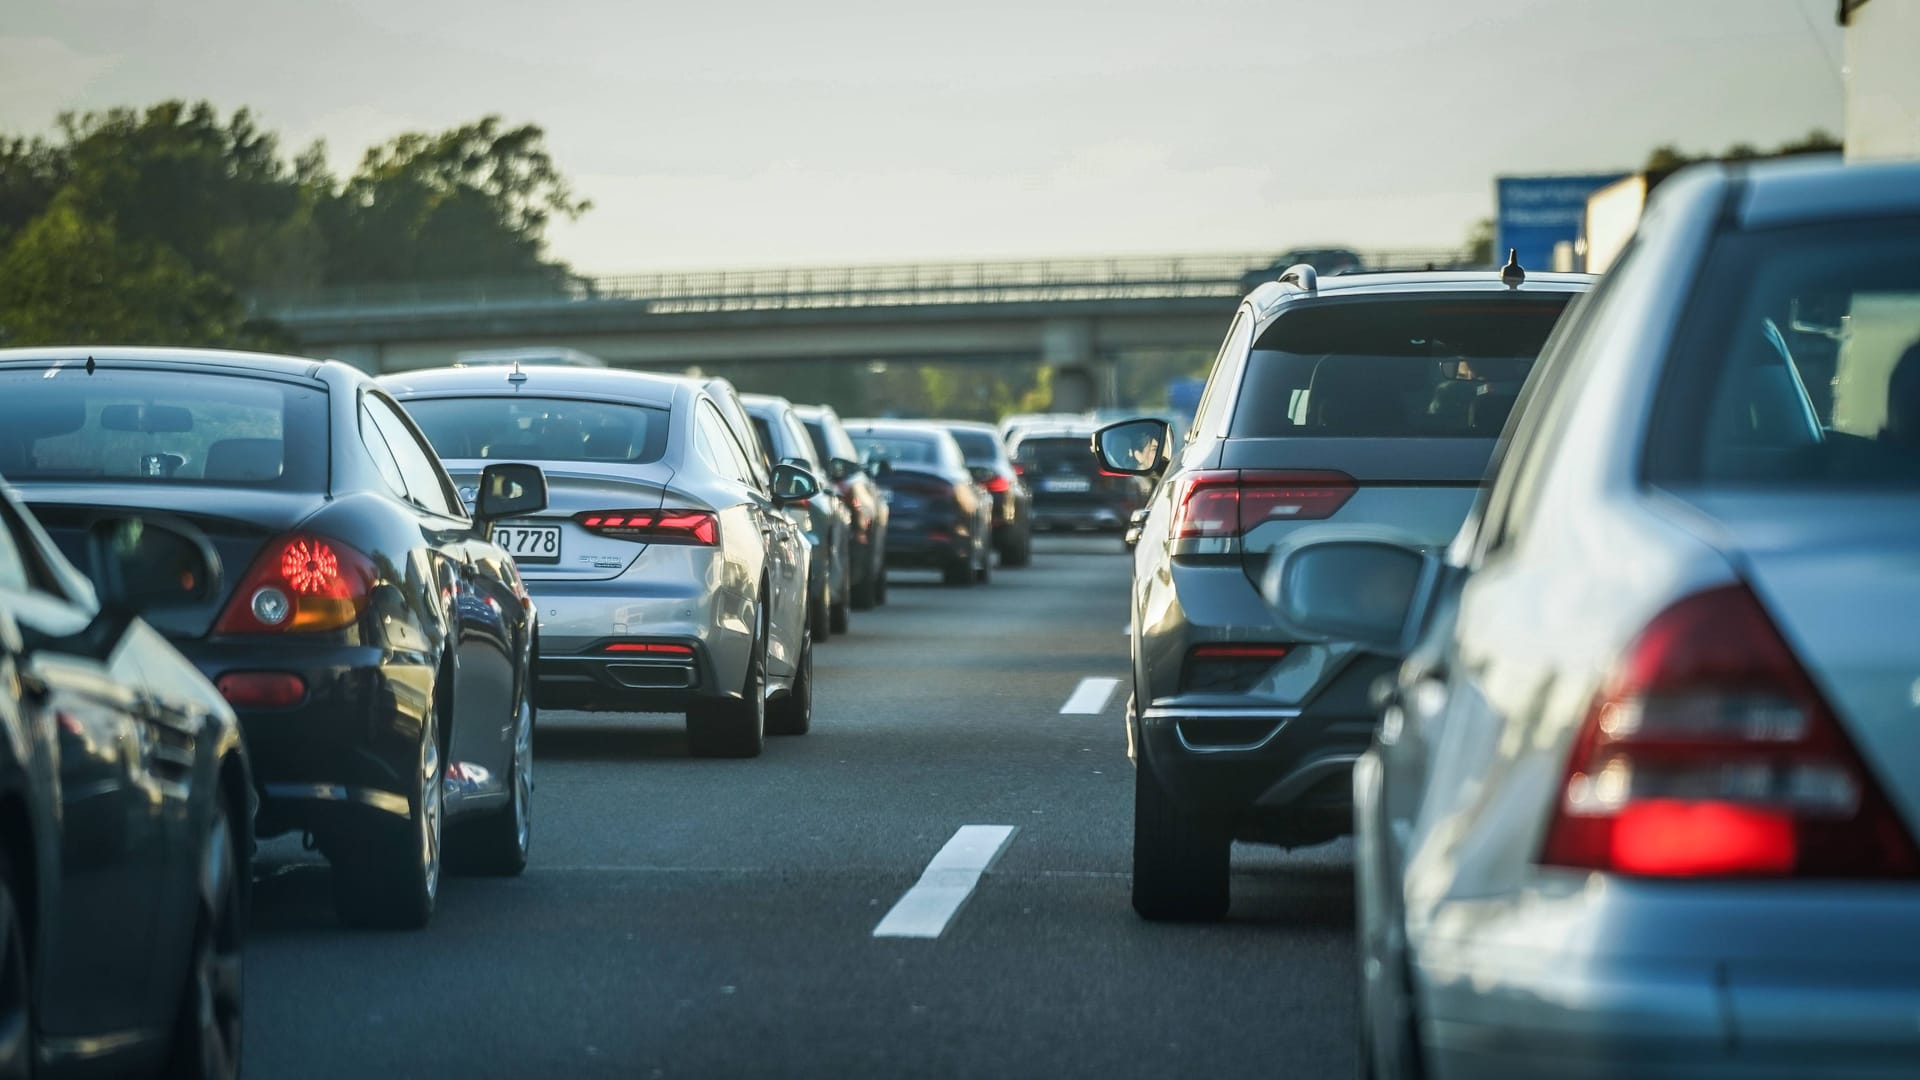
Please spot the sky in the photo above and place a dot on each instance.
(749, 133)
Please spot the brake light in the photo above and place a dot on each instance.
(1240, 652)
(1230, 502)
(649, 648)
(999, 485)
(1710, 753)
(300, 583)
(261, 689)
(653, 526)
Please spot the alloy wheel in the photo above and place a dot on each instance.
(217, 988)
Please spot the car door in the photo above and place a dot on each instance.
(485, 643)
(786, 556)
(98, 965)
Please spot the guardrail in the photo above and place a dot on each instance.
(1048, 280)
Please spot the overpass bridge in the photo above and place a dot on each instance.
(1076, 315)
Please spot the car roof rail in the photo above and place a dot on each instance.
(1302, 275)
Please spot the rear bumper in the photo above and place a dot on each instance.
(1605, 977)
(578, 621)
(346, 753)
(934, 546)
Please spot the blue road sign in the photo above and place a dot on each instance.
(1537, 212)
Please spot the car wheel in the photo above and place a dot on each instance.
(724, 727)
(984, 572)
(793, 713)
(497, 844)
(819, 617)
(388, 877)
(206, 1037)
(1019, 550)
(16, 983)
(1180, 866)
(879, 581)
(866, 590)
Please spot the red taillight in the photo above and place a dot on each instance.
(654, 526)
(999, 485)
(649, 648)
(1710, 753)
(300, 582)
(261, 689)
(1231, 502)
(1240, 652)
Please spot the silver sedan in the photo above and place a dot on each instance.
(1645, 799)
(667, 576)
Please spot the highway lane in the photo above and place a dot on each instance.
(686, 917)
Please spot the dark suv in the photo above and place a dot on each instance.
(1362, 400)
(1070, 490)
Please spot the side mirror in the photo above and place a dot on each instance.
(981, 473)
(1133, 447)
(1369, 590)
(793, 484)
(143, 564)
(509, 489)
(840, 469)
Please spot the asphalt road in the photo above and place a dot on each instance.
(687, 917)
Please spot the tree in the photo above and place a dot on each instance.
(1480, 243)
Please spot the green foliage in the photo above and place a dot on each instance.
(151, 225)
(1668, 157)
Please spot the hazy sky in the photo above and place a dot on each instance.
(752, 133)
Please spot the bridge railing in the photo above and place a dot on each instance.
(1049, 280)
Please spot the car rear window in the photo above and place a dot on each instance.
(500, 428)
(900, 449)
(161, 426)
(1798, 366)
(1058, 454)
(980, 447)
(1430, 368)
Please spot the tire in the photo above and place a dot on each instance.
(724, 727)
(497, 843)
(793, 714)
(880, 581)
(17, 1049)
(983, 573)
(819, 617)
(388, 876)
(866, 591)
(1019, 550)
(1180, 866)
(208, 1029)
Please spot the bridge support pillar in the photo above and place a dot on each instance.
(1082, 379)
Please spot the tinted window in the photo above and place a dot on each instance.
(980, 447)
(763, 432)
(715, 444)
(542, 429)
(901, 449)
(1799, 366)
(161, 427)
(418, 467)
(381, 453)
(13, 567)
(1064, 454)
(817, 434)
(1448, 368)
(798, 445)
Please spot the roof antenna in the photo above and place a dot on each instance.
(1511, 275)
(90, 365)
(516, 376)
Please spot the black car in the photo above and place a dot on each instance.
(867, 535)
(1012, 502)
(125, 807)
(940, 517)
(1070, 490)
(375, 643)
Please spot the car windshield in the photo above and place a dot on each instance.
(1443, 368)
(502, 428)
(163, 427)
(1800, 367)
(900, 449)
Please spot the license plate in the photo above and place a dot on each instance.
(1066, 484)
(529, 543)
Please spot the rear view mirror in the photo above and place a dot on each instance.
(143, 564)
(1133, 447)
(510, 489)
(981, 474)
(793, 484)
(147, 419)
(1359, 589)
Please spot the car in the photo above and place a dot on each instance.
(1070, 489)
(126, 805)
(940, 518)
(825, 518)
(1013, 424)
(375, 644)
(668, 575)
(867, 540)
(1642, 800)
(1328, 260)
(1012, 503)
(1342, 402)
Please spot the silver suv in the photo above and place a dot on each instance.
(1370, 400)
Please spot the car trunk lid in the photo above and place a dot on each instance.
(552, 545)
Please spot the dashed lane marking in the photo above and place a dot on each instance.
(926, 909)
(1089, 697)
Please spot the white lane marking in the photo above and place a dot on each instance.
(935, 899)
(1089, 697)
